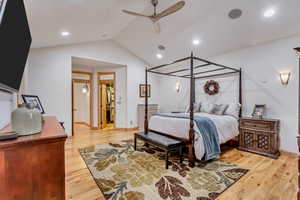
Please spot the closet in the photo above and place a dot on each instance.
(107, 100)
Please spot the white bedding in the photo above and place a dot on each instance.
(227, 127)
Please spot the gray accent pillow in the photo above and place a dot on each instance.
(219, 109)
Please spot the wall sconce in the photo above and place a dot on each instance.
(177, 87)
(297, 51)
(285, 77)
(85, 89)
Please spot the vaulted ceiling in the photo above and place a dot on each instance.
(206, 20)
(86, 20)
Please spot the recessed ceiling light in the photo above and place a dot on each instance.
(269, 13)
(196, 42)
(159, 56)
(65, 33)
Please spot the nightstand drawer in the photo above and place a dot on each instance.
(258, 125)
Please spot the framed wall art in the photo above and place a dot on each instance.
(143, 90)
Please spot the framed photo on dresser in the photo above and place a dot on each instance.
(35, 100)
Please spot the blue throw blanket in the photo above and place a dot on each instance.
(208, 132)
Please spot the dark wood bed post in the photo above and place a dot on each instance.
(146, 102)
(240, 92)
(298, 138)
(192, 101)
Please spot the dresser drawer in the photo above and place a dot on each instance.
(259, 125)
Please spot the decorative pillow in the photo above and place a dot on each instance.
(233, 110)
(219, 109)
(197, 107)
(207, 107)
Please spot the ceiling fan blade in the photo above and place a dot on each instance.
(156, 27)
(135, 14)
(170, 10)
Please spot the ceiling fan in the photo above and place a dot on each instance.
(156, 17)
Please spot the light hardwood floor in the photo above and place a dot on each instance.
(268, 179)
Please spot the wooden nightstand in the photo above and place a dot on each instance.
(260, 136)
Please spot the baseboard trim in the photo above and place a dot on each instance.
(82, 123)
(94, 128)
(292, 154)
(127, 129)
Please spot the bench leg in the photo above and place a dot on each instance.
(134, 143)
(181, 154)
(167, 159)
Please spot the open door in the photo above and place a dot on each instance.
(81, 100)
(107, 100)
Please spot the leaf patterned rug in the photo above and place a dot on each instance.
(124, 174)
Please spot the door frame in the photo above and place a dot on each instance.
(90, 82)
(99, 96)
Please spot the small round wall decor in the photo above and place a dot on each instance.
(211, 87)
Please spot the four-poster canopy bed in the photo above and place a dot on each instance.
(197, 69)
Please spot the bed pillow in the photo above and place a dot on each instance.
(207, 107)
(197, 107)
(219, 109)
(233, 110)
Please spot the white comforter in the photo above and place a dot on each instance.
(227, 127)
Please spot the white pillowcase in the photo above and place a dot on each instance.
(207, 107)
(219, 109)
(233, 110)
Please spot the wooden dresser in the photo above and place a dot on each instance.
(33, 167)
(260, 136)
(152, 110)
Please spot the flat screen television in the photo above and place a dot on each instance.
(15, 42)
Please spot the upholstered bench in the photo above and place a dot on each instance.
(162, 142)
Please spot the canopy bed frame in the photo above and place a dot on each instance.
(195, 71)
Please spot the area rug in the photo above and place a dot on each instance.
(124, 174)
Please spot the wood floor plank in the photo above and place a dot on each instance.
(268, 179)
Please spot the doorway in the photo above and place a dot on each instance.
(107, 105)
(81, 100)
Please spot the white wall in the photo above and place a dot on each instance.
(49, 76)
(6, 106)
(171, 100)
(261, 85)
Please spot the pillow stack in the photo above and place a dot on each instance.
(231, 109)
